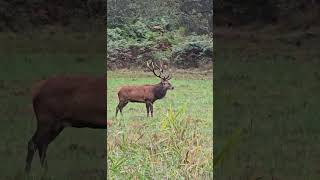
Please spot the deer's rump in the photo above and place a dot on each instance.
(65, 101)
(72, 101)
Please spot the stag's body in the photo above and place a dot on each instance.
(62, 101)
(147, 94)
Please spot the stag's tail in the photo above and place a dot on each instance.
(36, 88)
(35, 91)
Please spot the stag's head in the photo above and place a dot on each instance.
(164, 78)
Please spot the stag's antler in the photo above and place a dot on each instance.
(153, 69)
(160, 75)
(168, 77)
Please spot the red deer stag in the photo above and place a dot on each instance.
(147, 94)
(59, 102)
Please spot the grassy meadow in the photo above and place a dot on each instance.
(268, 85)
(25, 59)
(176, 143)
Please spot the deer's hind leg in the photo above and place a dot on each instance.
(48, 128)
(120, 106)
(32, 148)
(43, 136)
(46, 136)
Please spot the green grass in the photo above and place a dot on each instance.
(76, 153)
(271, 90)
(171, 144)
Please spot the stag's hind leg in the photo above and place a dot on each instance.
(47, 135)
(32, 148)
(120, 106)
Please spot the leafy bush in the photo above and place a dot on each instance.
(195, 52)
(132, 45)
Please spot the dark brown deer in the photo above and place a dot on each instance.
(60, 102)
(147, 94)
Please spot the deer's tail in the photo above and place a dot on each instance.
(37, 87)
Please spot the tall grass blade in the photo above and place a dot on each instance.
(230, 143)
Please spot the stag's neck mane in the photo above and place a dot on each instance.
(159, 91)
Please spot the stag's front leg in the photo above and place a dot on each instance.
(151, 109)
(147, 107)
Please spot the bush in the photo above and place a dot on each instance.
(195, 52)
(133, 45)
